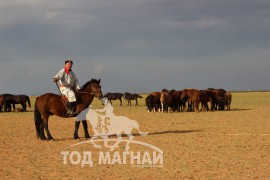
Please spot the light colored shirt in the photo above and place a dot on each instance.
(67, 80)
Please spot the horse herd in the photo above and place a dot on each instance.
(8, 101)
(172, 100)
(177, 100)
(164, 101)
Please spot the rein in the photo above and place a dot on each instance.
(62, 96)
(92, 93)
(86, 93)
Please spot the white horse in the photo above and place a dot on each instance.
(109, 124)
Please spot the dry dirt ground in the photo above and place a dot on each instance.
(207, 145)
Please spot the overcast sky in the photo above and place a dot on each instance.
(135, 45)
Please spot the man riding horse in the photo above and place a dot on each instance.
(68, 83)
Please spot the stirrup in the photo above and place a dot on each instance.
(71, 113)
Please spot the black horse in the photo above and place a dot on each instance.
(8, 101)
(114, 96)
(25, 99)
(11, 100)
(129, 97)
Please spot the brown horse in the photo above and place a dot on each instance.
(165, 100)
(200, 97)
(51, 104)
(228, 99)
(187, 96)
(204, 99)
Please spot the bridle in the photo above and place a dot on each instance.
(93, 92)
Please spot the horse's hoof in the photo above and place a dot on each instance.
(51, 139)
(77, 138)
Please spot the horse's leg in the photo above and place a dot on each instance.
(77, 125)
(93, 142)
(42, 135)
(85, 127)
(45, 122)
(120, 102)
(136, 102)
(48, 132)
(23, 107)
(41, 126)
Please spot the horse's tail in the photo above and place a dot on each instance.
(136, 126)
(29, 102)
(37, 118)
(139, 96)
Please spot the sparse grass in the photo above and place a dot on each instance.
(207, 145)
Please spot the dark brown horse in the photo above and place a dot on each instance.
(11, 99)
(177, 103)
(217, 101)
(51, 104)
(26, 99)
(114, 96)
(129, 97)
(220, 95)
(152, 102)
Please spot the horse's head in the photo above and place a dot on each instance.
(94, 88)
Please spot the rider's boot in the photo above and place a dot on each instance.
(70, 107)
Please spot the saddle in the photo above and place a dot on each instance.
(65, 98)
(66, 103)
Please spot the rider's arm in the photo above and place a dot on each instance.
(77, 85)
(59, 75)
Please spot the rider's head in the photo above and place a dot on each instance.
(68, 63)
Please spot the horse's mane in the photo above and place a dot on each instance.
(90, 82)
